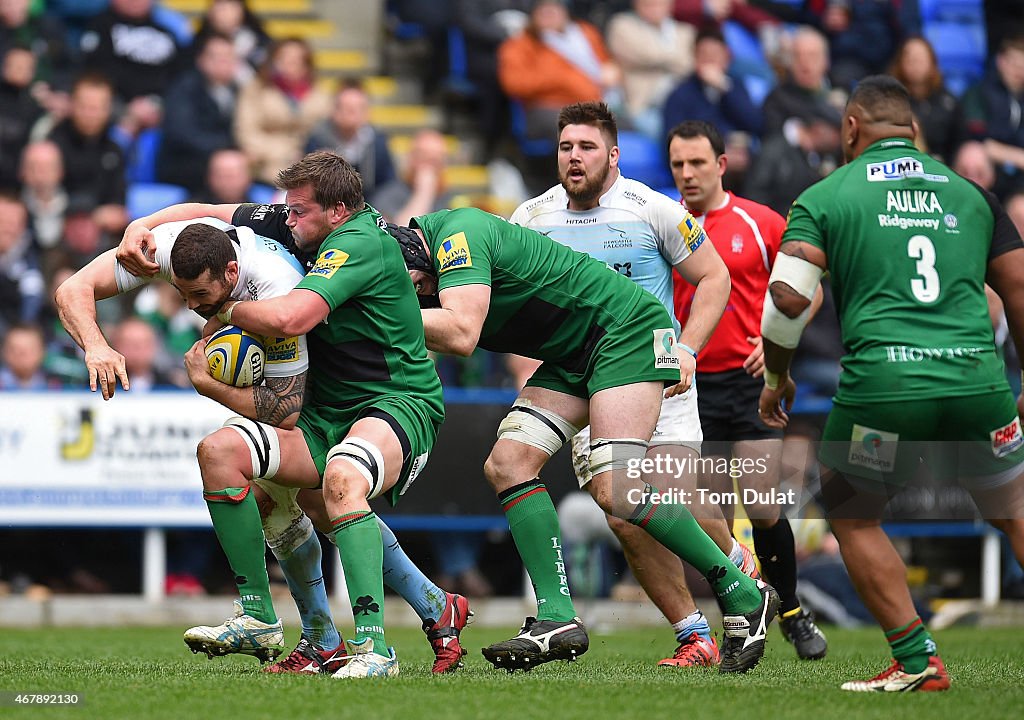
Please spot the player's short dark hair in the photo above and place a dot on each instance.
(332, 178)
(200, 247)
(595, 114)
(689, 129)
(884, 97)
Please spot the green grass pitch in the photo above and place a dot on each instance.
(143, 673)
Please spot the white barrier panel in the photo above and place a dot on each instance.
(71, 459)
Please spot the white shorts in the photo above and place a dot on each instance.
(678, 424)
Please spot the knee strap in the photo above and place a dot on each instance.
(536, 427)
(263, 443)
(615, 454)
(366, 458)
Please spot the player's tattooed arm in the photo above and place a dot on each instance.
(279, 399)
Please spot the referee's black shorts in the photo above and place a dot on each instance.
(727, 404)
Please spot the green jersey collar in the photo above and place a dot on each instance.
(889, 143)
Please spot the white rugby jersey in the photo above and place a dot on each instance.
(265, 270)
(635, 230)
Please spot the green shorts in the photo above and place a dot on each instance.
(641, 350)
(325, 427)
(975, 439)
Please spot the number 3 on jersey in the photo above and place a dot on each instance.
(926, 286)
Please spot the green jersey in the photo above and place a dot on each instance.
(371, 344)
(548, 302)
(908, 244)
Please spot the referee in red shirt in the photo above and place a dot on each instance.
(747, 236)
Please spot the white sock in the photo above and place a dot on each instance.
(694, 622)
(736, 554)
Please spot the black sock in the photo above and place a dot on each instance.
(777, 553)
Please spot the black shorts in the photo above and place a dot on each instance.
(727, 405)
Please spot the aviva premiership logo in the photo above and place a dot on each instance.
(454, 253)
(328, 263)
(282, 350)
(691, 232)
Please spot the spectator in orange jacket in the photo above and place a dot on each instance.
(556, 61)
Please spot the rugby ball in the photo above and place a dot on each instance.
(236, 357)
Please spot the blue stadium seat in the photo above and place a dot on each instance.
(142, 156)
(670, 191)
(530, 147)
(174, 22)
(951, 10)
(642, 159)
(458, 82)
(961, 49)
(146, 198)
(262, 194)
(742, 43)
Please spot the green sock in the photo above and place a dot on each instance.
(236, 520)
(674, 527)
(911, 645)
(534, 525)
(362, 557)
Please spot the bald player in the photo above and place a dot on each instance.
(909, 246)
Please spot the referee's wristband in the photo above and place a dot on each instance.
(688, 349)
(772, 380)
(225, 315)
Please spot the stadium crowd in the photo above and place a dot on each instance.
(99, 99)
